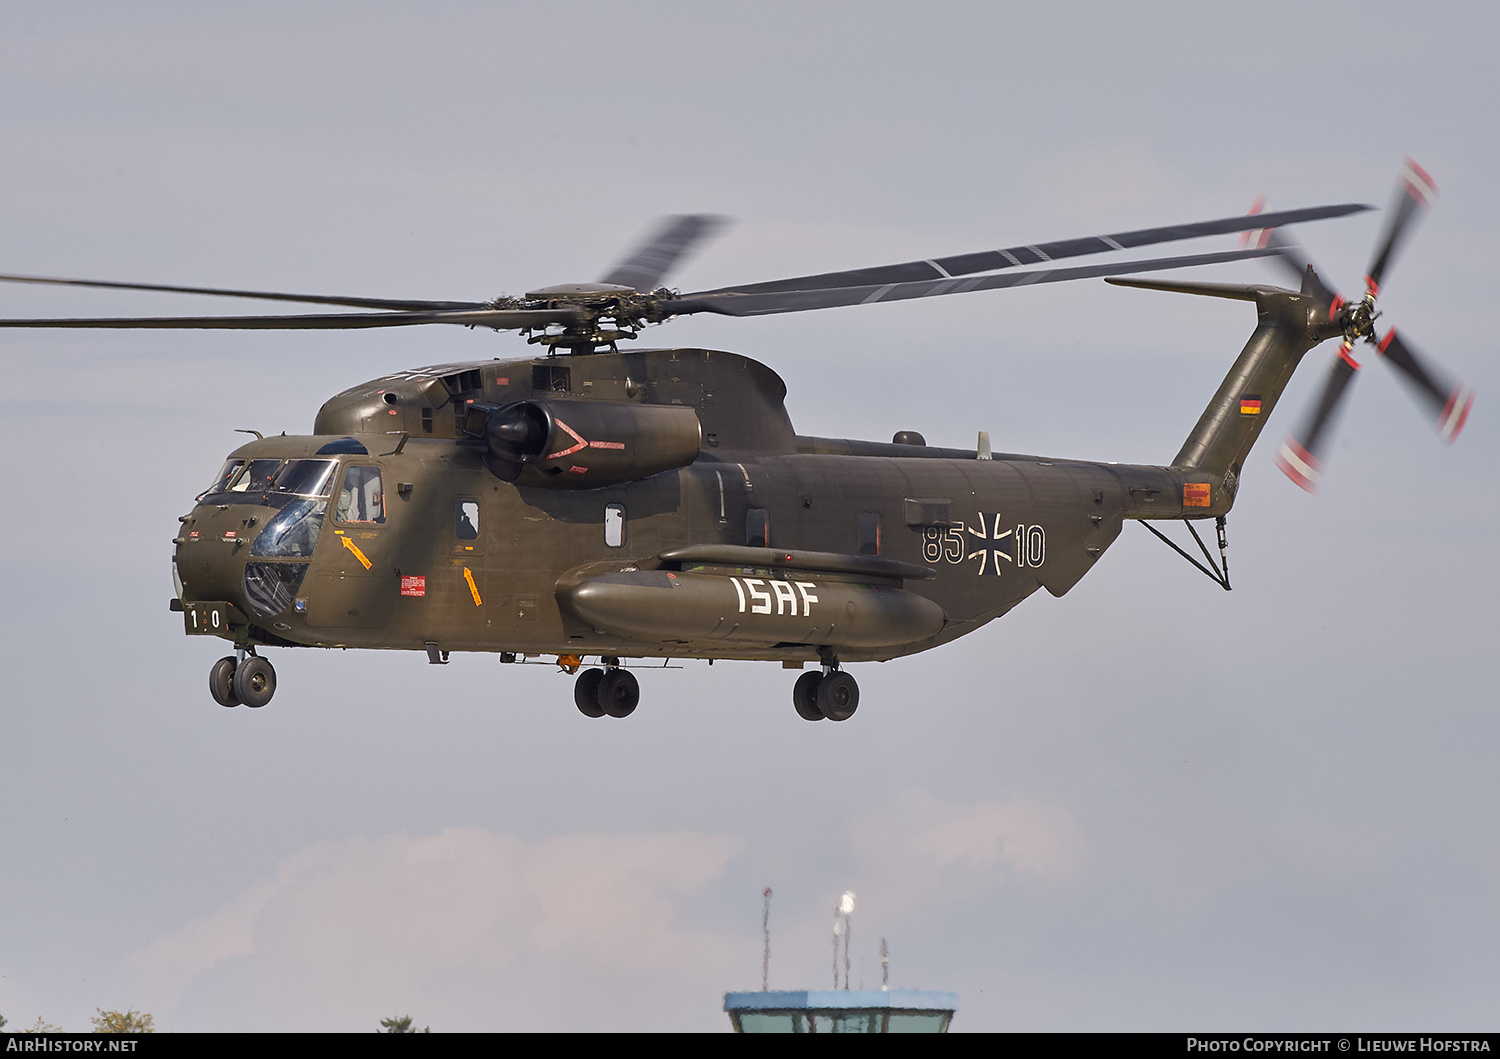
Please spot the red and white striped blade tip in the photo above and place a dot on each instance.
(1415, 181)
(1258, 238)
(1299, 465)
(1455, 413)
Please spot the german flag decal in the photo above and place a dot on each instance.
(1195, 494)
(1250, 404)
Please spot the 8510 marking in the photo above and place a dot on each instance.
(1019, 545)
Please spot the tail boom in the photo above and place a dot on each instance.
(1289, 324)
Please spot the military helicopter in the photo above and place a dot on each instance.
(621, 505)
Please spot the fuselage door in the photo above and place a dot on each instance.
(353, 583)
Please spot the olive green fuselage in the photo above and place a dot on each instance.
(440, 550)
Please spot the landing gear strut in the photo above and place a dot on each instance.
(831, 694)
(613, 691)
(243, 679)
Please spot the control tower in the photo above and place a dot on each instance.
(883, 1010)
(841, 1011)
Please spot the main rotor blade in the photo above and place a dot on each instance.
(1414, 191)
(500, 319)
(648, 264)
(274, 296)
(734, 303)
(1299, 457)
(1451, 401)
(1035, 254)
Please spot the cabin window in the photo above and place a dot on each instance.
(551, 378)
(466, 520)
(361, 499)
(869, 533)
(758, 528)
(614, 525)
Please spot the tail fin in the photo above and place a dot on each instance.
(1290, 324)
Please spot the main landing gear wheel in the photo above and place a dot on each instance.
(221, 682)
(619, 692)
(805, 696)
(586, 692)
(838, 696)
(254, 681)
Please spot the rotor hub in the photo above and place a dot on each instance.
(1357, 319)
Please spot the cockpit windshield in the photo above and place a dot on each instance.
(256, 478)
(272, 481)
(305, 477)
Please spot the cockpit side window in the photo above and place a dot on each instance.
(361, 499)
(226, 475)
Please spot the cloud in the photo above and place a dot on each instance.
(345, 932)
(470, 930)
(930, 845)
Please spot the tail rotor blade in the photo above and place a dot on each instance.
(1300, 457)
(1450, 401)
(1414, 192)
(1294, 260)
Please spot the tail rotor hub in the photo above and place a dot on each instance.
(1357, 320)
(1450, 400)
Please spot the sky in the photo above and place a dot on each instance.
(1147, 805)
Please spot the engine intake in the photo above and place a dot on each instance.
(587, 444)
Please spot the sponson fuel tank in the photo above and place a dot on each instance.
(760, 605)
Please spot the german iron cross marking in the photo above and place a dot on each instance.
(991, 545)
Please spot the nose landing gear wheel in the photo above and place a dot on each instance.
(586, 692)
(619, 692)
(838, 696)
(254, 681)
(221, 682)
(805, 696)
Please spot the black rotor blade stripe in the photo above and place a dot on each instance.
(1403, 358)
(1036, 253)
(1315, 435)
(1414, 190)
(502, 319)
(648, 264)
(739, 304)
(1433, 387)
(275, 296)
(1299, 457)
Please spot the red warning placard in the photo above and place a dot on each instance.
(414, 586)
(1195, 494)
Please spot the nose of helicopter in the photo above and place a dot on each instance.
(248, 543)
(215, 562)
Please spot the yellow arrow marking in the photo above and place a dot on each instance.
(357, 553)
(473, 588)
